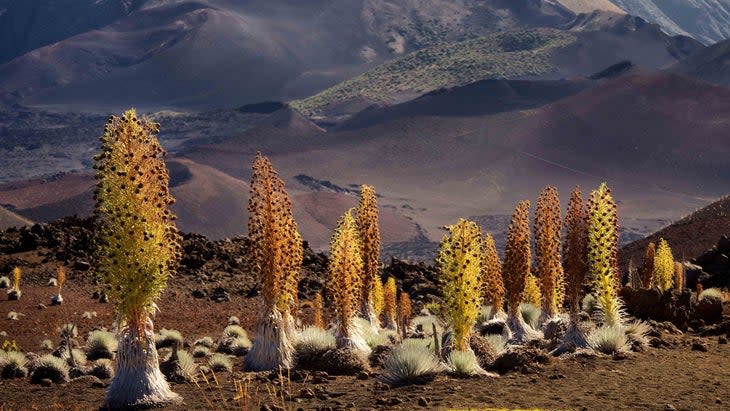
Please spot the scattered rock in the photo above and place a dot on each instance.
(82, 265)
(422, 402)
(722, 340)
(698, 346)
(45, 382)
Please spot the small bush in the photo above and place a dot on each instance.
(78, 356)
(410, 362)
(52, 282)
(101, 344)
(636, 333)
(47, 345)
(531, 314)
(235, 331)
(312, 343)
(220, 362)
(237, 346)
(609, 340)
(4, 282)
(181, 370)
(464, 363)
(710, 294)
(233, 320)
(102, 369)
(200, 351)
(485, 314)
(13, 364)
(383, 337)
(12, 315)
(50, 367)
(433, 308)
(205, 342)
(497, 342)
(589, 304)
(166, 338)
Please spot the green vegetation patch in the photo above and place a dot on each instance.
(511, 54)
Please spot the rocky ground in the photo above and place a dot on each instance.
(684, 367)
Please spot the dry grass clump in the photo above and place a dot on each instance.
(4, 282)
(235, 331)
(51, 368)
(102, 369)
(710, 294)
(205, 342)
(13, 364)
(410, 362)
(167, 338)
(609, 339)
(101, 344)
(201, 351)
(465, 364)
(220, 362)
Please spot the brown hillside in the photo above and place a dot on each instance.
(690, 236)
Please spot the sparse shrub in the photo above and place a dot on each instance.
(547, 253)
(344, 283)
(52, 282)
(710, 294)
(663, 266)
(465, 364)
(602, 254)
(609, 339)
(102, 369)
(276, 249)
(205, 342)
(492, 283)
(200, 351)
(647, 268)
(13, 364)
(459, 262)
(14, 316)
(485, 314)
(220, 362)
(382, 337)
(101, 344)
(76, 358)
(530, 314)
(47, 345)
(516, 270)
(575, 250)
(390, 304)
(167, 338)
(137, 250)
(234, 331)
(50, 367)
(4, 282)
(233, 320)
(369, 229)
(410, 362)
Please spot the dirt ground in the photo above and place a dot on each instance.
(676, 377)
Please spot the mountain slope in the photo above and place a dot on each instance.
(711, 64)
(664, 158)
(219, 52)
(705, 20)
(593, 42)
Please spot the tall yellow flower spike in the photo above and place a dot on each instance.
(492, 283)
(390, 304)
(345, 281)
(369, 229)
(460, 265)
(663, 266)
(547, 252)
(602, 254)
